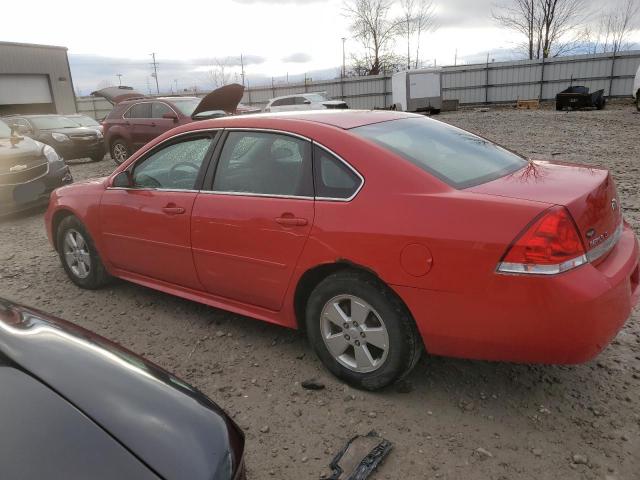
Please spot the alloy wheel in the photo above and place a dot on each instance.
(76, 254)
(354, 333)
(120, 153)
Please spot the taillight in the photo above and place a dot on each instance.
(550, 245)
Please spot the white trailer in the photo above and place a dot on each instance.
(417, 90)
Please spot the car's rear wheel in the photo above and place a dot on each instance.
(78, 255)
(361, 331)
(638, 101)
(119, 151)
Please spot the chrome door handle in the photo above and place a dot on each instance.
(292, 221)
(171, 210)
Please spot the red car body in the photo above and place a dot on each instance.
(437, 247)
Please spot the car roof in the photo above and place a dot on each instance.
(345, 119)
(297, 95)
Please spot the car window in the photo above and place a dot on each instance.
(264, 163)
(140, 110)
(159, 109)
(456, 156)
(333, 179)
(300, 100)
(174, 167)
(283, 102)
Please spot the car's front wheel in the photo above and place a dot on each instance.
(79, 256)
(119, 151)
(361, 331)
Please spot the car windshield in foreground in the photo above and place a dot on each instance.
(49, 123)
(85, 121)
(455, 156)
(186, 105)
(5, 131)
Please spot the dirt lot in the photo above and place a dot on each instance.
(529, 422)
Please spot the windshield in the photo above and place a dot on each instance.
(49, 123)
(456, 156)
(85, 121)
(316, 97)
(5, 131)
(186, 105)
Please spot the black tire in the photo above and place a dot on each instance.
(558, 106)
(97, 157)
(601, 104)
(119, 151)
(404, 342)
(638, 101)
(96, 276)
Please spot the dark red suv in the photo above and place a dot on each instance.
(137, 119)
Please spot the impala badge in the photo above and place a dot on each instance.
(614, 204)
(590, 233)
(17, 168)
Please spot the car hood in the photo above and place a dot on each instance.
(73, 132)
(119, 94)
(225, 98)
(169, 425)
(19, 151)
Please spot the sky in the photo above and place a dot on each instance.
(277, 38)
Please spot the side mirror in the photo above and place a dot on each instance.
(170, 116)
(307, 102)
(123, 180)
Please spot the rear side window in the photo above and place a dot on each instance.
(333, 179)
(455, 156)
(283, 102)
(139, 110)
(265, 164)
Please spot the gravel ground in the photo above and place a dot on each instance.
(452, 419)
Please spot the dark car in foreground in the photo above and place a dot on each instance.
(76, 406)
(66, 136)
(29, 171)
(136, 120)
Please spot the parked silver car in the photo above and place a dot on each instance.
(303, 101)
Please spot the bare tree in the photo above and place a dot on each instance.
(615, 26)
(372, 27)
(219, 74)
(425, 21)
(549, 26)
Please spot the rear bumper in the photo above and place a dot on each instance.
(25, 196)
(562, 319)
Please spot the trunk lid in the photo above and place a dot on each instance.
(115, 95)
(588, 193)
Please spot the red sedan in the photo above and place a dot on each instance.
(380, 233)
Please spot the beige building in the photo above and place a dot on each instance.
(35, 79)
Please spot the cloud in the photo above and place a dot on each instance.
(280, 2)
(298, 57)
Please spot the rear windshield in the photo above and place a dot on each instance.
(455, 156)
(186, 106)
(49, 123)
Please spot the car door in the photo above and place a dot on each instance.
(141, 125)
(146, 227)
(248, 231)
(160, 124)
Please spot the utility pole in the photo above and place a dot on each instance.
(242, 69)
(119, 75)
(176, 80)
(455, 58)
(344, 63)
(155, 71)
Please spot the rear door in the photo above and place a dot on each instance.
(146, 228)
(250, 228)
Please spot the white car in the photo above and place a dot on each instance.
(303, 101)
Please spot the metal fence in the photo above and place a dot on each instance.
(491, 82)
